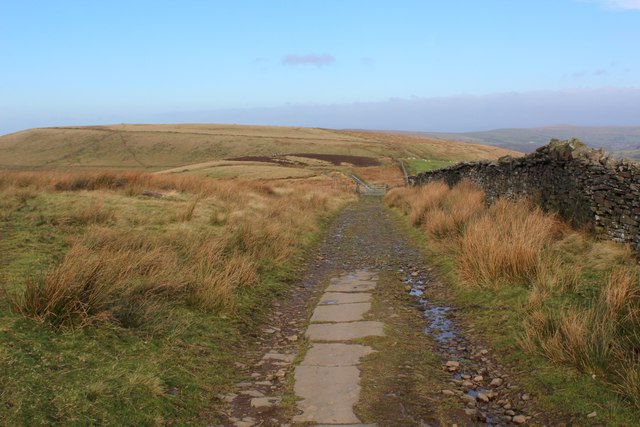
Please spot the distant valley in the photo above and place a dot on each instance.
(620, 141)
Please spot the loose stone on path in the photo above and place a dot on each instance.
(328, 379)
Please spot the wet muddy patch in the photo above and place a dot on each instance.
(489, 395)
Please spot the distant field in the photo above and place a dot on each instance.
(415, 166)
(165, 147)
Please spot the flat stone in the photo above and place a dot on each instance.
(452, 364)
(483, 397)
(352, 286)
(277, 356)
(228, 397)
(328, 394)
(344, 298)
(336, 354)
(264, 402)
(340, 313)
(252, 393)
(344, 331)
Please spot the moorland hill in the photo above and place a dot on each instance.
(159, 147)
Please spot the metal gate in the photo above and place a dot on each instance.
(365, 189)
(371, 190)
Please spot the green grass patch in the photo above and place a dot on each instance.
(416, 166)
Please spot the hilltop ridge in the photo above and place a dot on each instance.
(157, 147)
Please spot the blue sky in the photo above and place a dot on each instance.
(80, 62)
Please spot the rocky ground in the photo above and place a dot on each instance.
(428, 369)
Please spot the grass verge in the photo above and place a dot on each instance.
(558, 305)
(399, 378)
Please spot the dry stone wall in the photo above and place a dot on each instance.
(583, 185)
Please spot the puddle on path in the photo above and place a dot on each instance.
(435, 316)
(471, 380)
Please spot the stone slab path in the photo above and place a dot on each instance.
(328, 379)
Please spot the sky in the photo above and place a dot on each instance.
(430, 65)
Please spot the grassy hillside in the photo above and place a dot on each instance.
(160, 147)
(621, 141)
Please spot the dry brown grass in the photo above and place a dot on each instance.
(86, 287)
(389, 175)
(493, 245)
(400, 198)
(212, 239)
(505, 245)
(583, 307)
(186, 212)
(439, 211)
(425, 202)
(600, 338)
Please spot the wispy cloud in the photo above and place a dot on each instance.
(619, 4)
(311, 59)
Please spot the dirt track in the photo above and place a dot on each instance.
(426, 371)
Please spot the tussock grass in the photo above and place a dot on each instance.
(583, 304)
(221, 237)
(186, 213)
(120, 308)
(504, 245)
